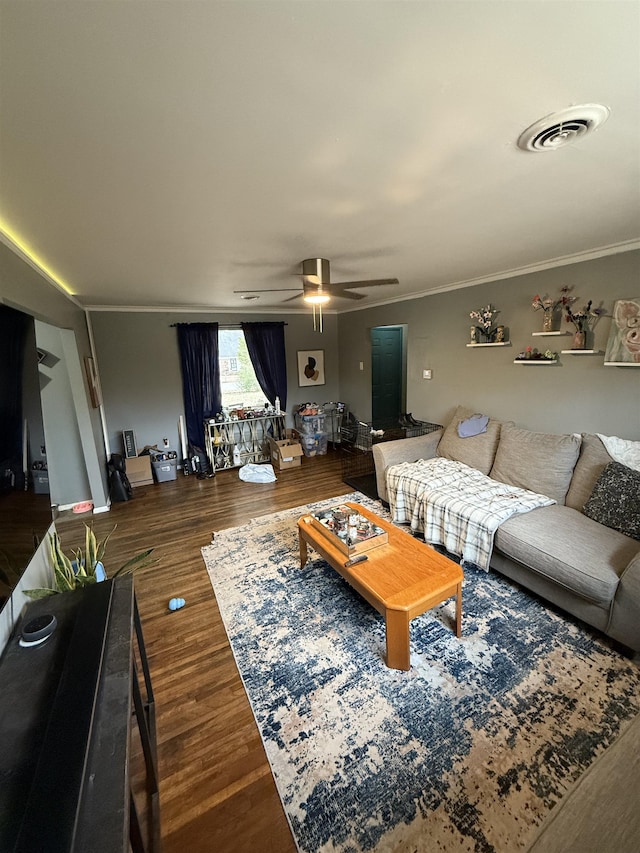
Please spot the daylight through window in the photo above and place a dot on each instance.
(238, 381)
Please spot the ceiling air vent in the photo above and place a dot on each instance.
(563, 128)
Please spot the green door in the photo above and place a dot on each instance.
(387, 376)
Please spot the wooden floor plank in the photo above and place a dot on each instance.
(216, 787)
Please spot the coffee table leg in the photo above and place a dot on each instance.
(459, 610)
(397, 628)
(304, 553)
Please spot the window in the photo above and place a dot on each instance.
(238, 381)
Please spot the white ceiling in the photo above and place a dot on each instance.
(169, 152)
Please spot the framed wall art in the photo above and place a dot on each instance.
(92, 381)
(623, 346)
(311, 367)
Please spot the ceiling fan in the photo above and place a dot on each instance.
(317, 287)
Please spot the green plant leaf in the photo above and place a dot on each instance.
(103, 545)
(90, 548)
(85, 580)
(140, 561)
(41, 592)
(62, 569)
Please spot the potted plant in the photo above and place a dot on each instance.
(84, 567)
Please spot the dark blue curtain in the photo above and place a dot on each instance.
(13, 333)
(198, 343)
(265, 342)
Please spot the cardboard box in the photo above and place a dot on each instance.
(138, 470)
(284, 454)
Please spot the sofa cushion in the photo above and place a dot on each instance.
(537, 461)
(615, 500)
(477, 451)
(591, 463)
(568, 548)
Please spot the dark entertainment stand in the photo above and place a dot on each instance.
(78, 767)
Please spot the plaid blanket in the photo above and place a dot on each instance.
(455, 506)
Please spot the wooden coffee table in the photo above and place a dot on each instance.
(401, 579)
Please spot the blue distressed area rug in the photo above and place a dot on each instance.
(468, 751)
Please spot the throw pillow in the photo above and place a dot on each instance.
(477, 451)
(538, 461)
(591, 463)
(615, 500)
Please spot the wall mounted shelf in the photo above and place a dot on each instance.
(535, 361)
(499, 344)
(581, 351)
(621, 364)
(549, 334)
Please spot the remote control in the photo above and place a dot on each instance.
(359, 558)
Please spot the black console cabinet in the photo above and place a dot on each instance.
(73, 711)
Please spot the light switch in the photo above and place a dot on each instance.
(426, 374)
(362, 365)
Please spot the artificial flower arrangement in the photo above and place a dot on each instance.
(585, 318)
(484, 318)
(531, 354)
(546, 304)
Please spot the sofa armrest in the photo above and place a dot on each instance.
(624, 622)
(387, 453)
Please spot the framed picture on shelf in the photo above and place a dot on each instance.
(623, 346)
(311, 367)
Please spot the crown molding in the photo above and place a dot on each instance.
(25, 255)
(528, 269)
(197, 309)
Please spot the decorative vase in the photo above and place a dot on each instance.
(547, 323)
(579, 340)
(473, 332)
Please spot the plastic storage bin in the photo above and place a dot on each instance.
(314, 444)
(40, 482)
(165, 470)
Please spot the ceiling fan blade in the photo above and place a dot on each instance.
(292, 298)
(374, 282)
(346, 294)
(268, 290)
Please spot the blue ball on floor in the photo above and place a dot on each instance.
(176, 603)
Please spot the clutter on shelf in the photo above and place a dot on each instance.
(240, 412)
(319, 424)
(236, 441)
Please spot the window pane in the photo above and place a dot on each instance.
(237, 378)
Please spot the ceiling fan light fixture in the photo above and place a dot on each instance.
(316, 298)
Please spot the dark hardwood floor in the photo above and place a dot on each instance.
(216, 788)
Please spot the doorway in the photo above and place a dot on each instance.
(388, 375)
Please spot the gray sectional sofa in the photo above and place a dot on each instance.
(586, 567)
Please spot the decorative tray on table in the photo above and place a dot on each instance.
(349, 531)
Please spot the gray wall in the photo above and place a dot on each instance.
(578, 394)
(22, 287)
(139, 366)
(68, 481)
